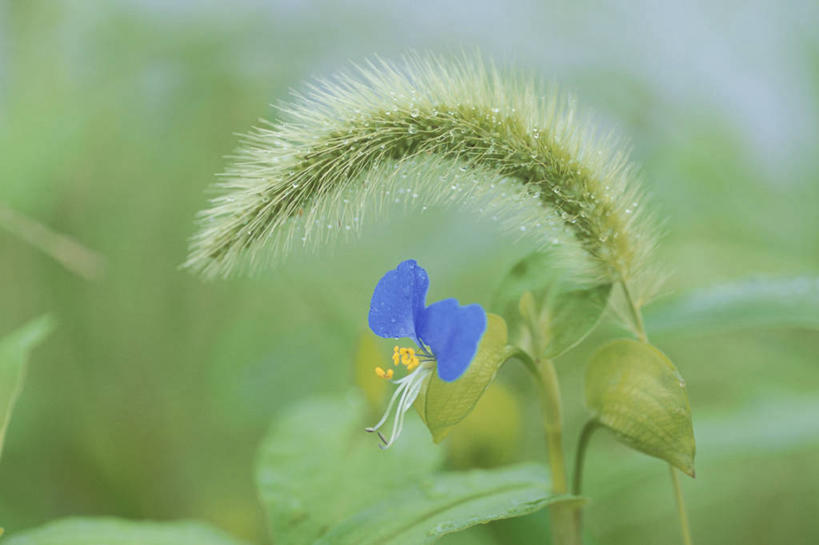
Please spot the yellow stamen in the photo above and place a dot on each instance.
(384, 374)
(395, 355)
(408, 358)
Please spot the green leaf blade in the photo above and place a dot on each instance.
(318, 466)
(774, 302)
(108, 531)
(636, 392)
(573, 315)
(562, 312)
(14, 353)
(444, 504)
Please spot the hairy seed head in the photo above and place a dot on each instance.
(427, 131)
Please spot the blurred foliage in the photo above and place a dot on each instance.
(90, 531)
(151, 398)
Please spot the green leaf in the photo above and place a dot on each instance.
(774, 302)
(443, 404)
(446, 503)
(570, 316)
(563, 312)
(109, 531)
(637, 393)
(318, 466)
(14, 351)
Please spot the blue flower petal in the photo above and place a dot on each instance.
(398, 301)
(452, 332)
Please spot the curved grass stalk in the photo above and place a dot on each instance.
(428, 132)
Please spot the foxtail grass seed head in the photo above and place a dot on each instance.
(424, 132)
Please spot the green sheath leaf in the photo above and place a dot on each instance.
(447, 503)
(444, 404)
(14, 351)
(637, 393)
(110, 531)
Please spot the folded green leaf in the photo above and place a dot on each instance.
(637, 393)
(318, 466)
(563, 313)
(447, 503)
(444, 404)
(571, 316)
(110, 531)
(14, 350)
(773, 302)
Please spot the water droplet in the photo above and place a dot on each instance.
(522, 227)
(295, 185)
(412, 129)
(414, 113)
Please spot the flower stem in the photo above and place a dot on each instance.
(675, 483)
(686, 532)
(580, 456)
(564, 516)
(636, 315)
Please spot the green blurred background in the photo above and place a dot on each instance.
(151, 398)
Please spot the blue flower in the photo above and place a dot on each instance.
(446, 333)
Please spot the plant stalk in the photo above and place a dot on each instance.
(564, 516)
(580, 456)
(675, 483)
(63, 249)
(686, 532)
